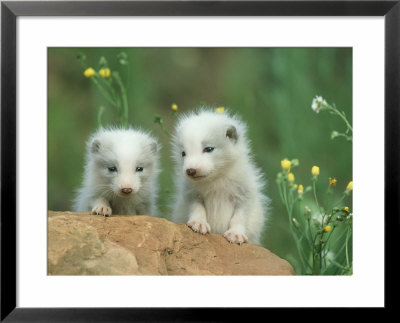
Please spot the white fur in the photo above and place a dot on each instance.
(227, 199)
(125, 149)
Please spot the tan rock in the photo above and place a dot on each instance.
(84, 244)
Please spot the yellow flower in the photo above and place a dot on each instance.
(332, 182)
(349, 186)
(89, 72)
(300, 190)
(290, 178)
(286, 164)
(328, 228)
(346, 209)
(315, 170)
(220, 109)
(174, 107)
(105, 72)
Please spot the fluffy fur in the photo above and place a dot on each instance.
(224, 196)
(120, 173)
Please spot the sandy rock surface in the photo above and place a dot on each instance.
(84, 244)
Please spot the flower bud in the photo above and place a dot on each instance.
(89, 72)
(332, 182)
(286, 165)
(290, 178)
(315, 170)
(105, 72)
(334, 134)
(318, 104)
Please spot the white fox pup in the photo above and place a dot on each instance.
(219, 188)
(120, 173)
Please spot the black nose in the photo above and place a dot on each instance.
(191, 171)
(126, 190)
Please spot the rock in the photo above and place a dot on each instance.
(84, 244)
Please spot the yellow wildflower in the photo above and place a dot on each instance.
(220, 109)
(105, 73)
(332, 182)
(290, 178)
(89, 72)
(328, 228)
(346, 209)
(300, 190)
(286, 164)
(315, 170)
(349, 186)
(174, 107)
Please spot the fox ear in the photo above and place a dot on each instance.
(231, 133)
(154, 147)
(95, 147)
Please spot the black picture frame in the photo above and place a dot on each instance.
(11, 10)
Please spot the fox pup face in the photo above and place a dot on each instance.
(205, 152)
(124, 165)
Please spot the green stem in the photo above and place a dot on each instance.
(115, 97)
(315, 197)
(340, 200)
(286, 201)
(280, 191)
(99, 115)
(123, 97)
(165, 130)
(347, 248)
(341, 116)
(300, 250)
(103, 90)
(297, 241)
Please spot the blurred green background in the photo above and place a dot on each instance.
(271, 88)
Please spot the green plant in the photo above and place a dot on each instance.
(321, 227)
(322, 234)
(110, 85)
(320, 104)
(160, 121)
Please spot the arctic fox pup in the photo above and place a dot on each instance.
(120, 173)
(219, 188)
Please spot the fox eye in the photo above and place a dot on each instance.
(208, 149)
(139, 169)
(112, 169)
(183, 154)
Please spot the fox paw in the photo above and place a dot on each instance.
(101, 210)
(201, 227)
(235, 237)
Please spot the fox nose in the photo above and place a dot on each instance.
(191, 171)
(126, 190)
